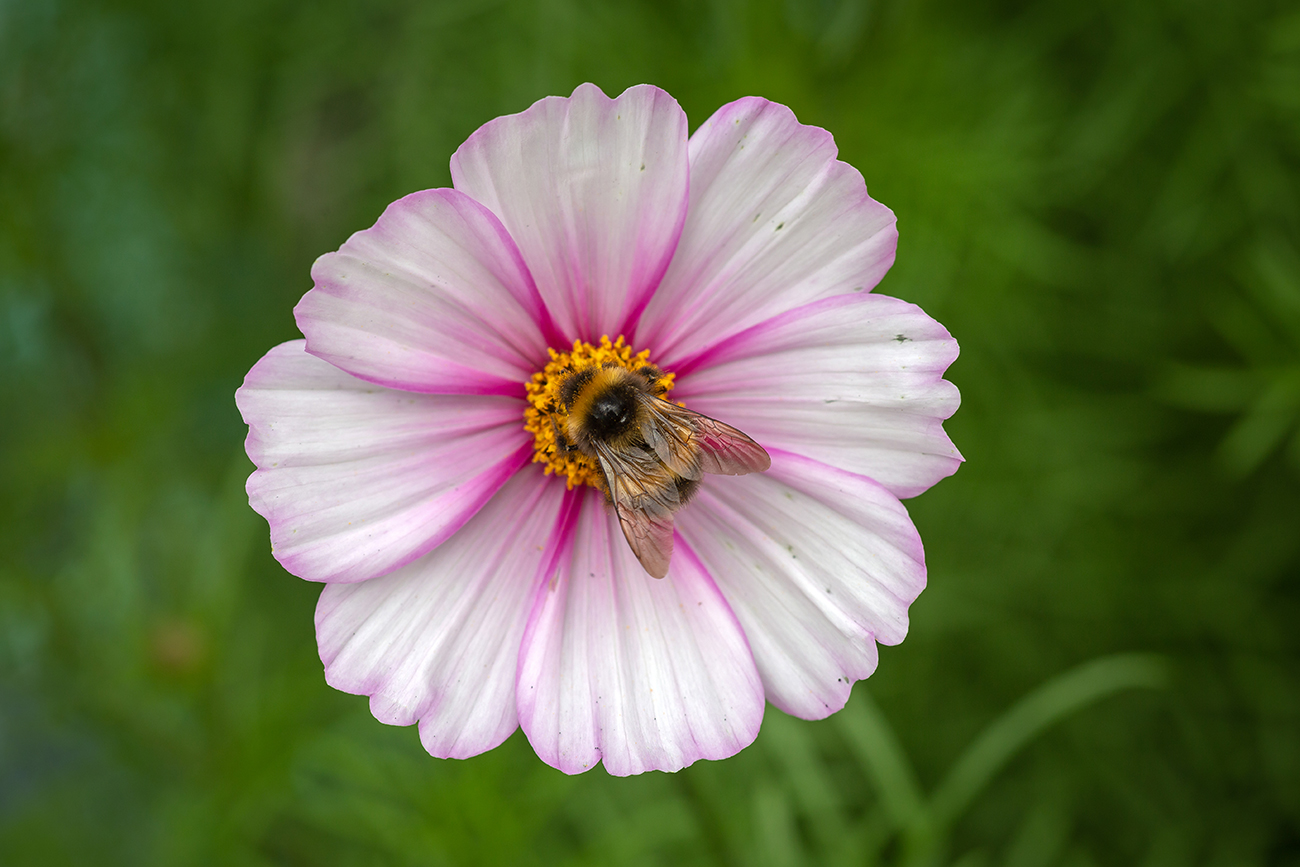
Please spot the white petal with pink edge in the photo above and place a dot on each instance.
(854, 381)
(433, 298)
(818, 565)
(438, 640)
(356, 479)
(593, 190)
(637, 672)
(775, 221)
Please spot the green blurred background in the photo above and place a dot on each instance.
(1100, 200)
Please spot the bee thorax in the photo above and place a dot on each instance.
(609, 414)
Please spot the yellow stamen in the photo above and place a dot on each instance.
(546, 414)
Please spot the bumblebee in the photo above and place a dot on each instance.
(651, 453)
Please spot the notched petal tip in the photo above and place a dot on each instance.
(438, 640)
(433, 298)
(356, 480)
(594, 191)
(636, 673)
(775, 221)
(855, 381)
(818, 564)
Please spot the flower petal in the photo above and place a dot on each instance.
(818, 565)
(356, 479)
(593, 191)
(639, 672)
(433, 298)
(775, 222)
(854, 381)
(438, 640)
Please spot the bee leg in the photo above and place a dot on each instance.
(561, 441)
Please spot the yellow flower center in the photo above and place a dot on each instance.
(546, 416)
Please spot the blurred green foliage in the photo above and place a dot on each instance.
(1100, 200)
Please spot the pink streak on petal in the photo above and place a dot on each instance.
(357, 480)
(433, 298)
(775, 222)
(593, 191)
(642, 674)
(818, 565)
(854, 381)
(438, 640)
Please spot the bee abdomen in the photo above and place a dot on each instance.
(686, 489)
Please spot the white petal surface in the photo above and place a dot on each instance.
(438, 640)
(356, 479)
(639, 672)
(433, 298)
(854, 381)
(775, 221)
(593, 191)
(818, 566)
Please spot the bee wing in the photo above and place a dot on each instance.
(650, 538)
(727, 451)
(671, 435)
(723, 449)
(644, 504)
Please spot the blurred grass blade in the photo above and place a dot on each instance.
(807, 777)
(876, 748)
(1049, 704)
(863, 843)
(774, 828)
(1267, 424)
(1042, 836)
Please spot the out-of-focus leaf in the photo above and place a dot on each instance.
(881, 757)
(1045, 706)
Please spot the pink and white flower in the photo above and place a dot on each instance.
(471, 592)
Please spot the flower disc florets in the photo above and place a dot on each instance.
(546, 414)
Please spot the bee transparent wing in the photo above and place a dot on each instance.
(723, 449)
(671, 436)
(727, 451)
(650, 538)
(644, 504)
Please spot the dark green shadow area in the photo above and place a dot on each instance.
(1100, 200)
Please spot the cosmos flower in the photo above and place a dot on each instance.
(476, 579)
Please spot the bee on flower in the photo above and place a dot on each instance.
(607, 441)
